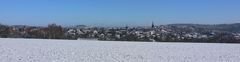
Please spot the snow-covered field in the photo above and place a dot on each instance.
(35, 50)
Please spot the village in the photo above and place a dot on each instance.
(161, 33)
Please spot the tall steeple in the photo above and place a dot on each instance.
(153, 24)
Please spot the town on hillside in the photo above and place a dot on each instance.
(217, 33)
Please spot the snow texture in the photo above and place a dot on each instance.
(39, 50)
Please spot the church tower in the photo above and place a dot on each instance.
(153, 26)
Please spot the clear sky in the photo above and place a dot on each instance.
(118, 12)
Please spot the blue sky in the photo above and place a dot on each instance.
(118, 12)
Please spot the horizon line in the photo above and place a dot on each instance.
(113, 26)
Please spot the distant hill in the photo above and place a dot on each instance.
(215, 27)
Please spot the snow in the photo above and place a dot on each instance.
(39, 50)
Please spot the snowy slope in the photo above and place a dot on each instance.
(35, 50)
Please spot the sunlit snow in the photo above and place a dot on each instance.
(37, 50)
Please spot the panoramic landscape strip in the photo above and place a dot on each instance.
(215, 33)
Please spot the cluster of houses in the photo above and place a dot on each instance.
(155, 33)
(163, 33)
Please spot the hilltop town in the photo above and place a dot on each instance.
(218, 33)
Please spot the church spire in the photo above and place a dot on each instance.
(153, 24)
